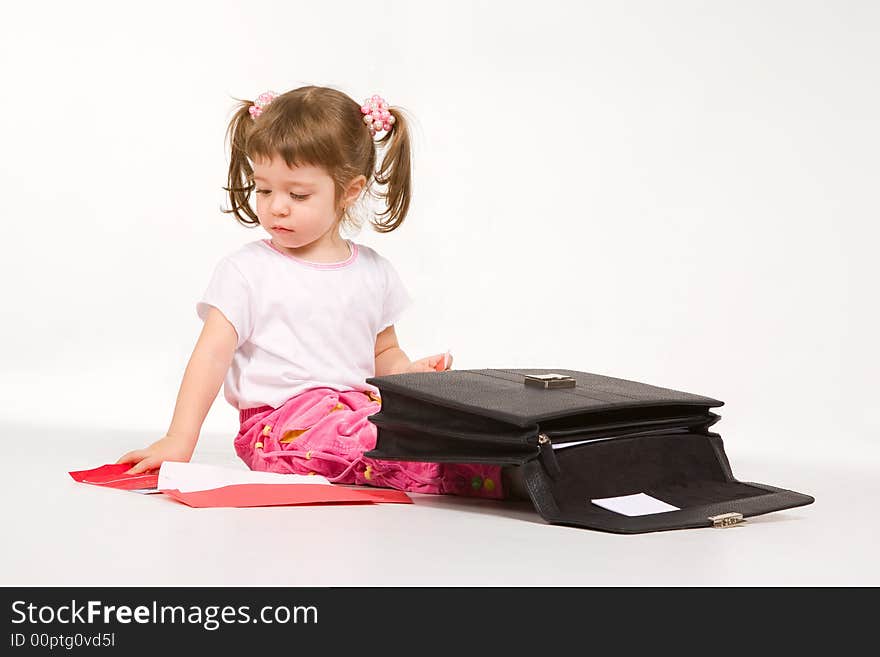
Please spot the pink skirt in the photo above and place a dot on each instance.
(324, 431)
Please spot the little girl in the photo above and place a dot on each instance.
(294, 324)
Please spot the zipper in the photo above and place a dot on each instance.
(548, 456)
(651, 426)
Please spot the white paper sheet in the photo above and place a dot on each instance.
(577, 442)
(188, 477)
(635, 505)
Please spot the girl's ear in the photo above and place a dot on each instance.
(355, 188)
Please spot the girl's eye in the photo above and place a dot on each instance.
(298, 197)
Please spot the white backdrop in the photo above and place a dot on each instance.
(682, 193)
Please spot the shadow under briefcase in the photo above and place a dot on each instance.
(595, 451)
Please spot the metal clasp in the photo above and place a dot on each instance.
(727, 519)
(549, 380)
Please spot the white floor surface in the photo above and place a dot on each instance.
(59, 532)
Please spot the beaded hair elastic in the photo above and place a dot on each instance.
(264, 99)
(376, 114)
(375, 111)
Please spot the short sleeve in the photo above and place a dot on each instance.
(396, 298)
(230, 293)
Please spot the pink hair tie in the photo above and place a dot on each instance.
(376, 114)
(264, 99)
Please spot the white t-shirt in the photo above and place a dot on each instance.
(302, 324)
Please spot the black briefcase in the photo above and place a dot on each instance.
(595, 451)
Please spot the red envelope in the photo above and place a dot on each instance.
(113, 476)
(247, 495)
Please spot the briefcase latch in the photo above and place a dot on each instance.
(727, 519)
(549, 380)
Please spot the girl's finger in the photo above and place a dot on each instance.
(143, 466)
(131, 457)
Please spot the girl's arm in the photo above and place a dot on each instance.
(390, 358)
(202, 379)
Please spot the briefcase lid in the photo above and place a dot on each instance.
(641, 484)
(525, 396)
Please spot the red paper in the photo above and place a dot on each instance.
(247, 495)
(241, 495)
(113, 476)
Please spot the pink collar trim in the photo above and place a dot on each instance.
(318, 265)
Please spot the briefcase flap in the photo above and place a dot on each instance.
(638, 484)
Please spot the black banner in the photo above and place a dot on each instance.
(171, 620)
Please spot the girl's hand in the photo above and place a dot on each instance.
(168, 448)
(436, 363)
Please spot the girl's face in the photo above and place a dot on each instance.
(296, 205)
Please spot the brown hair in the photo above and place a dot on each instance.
(323, 127)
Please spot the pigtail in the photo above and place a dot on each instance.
(395, 172)
(240, 177)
